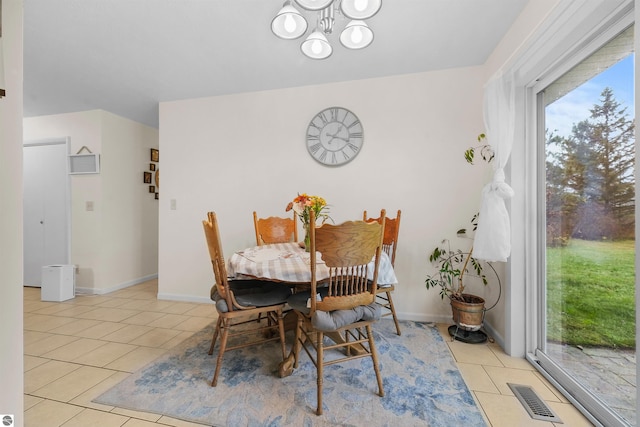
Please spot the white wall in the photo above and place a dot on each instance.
(115, 245)
(239, 153)
(11, 321)
(130, 212)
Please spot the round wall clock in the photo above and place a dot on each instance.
(334, 136)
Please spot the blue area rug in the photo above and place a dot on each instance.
(422, 385)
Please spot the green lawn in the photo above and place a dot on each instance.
(591, 294)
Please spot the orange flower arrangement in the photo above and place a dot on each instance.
(303, 204)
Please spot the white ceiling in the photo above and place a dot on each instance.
(126, 56)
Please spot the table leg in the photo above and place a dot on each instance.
(285, 368)
(290, 320)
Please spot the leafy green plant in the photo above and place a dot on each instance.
(453, 266)
(485, 150)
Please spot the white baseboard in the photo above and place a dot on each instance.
(184, 298)
(498, 339)
(421, 317)
(102, 291)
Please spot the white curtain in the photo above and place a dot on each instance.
(493, 235)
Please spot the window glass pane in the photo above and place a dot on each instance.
(590, 225)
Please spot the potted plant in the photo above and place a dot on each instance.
(455, 267)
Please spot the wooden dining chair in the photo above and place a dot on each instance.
(239, 303)
(345, 303)
(275, 229)
(390, 244)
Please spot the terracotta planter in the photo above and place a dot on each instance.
(468, 314)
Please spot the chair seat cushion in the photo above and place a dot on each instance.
(328, 321)
(298, 301)
(253, 293)
(238, 287)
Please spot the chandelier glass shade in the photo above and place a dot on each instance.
(314, 4)
(289, 24)
(360, 9)
(356, 35)
(316, 46)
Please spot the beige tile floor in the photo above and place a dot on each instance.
(77, 349)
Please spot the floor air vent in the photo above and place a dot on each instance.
(536, 407)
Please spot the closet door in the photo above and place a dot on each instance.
(46, 208)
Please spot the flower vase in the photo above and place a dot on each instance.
(307, 239)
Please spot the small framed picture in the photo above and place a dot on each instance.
(147, 177)
(155, 155)
(157, 196)
(152, 189)
(152, 166)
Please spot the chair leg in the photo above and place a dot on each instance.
(223, 346)
(393, 312)
(320, 366)
(215, 335)
(281, 329)
(300, 339)
(374, 358)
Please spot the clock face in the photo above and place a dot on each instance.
(334, 136)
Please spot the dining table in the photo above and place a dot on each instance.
(290, 263)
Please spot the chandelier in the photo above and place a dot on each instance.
(289, 24)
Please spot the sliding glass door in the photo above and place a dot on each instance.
(587, 302)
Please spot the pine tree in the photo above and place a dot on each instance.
(612, 136)
(590, 178)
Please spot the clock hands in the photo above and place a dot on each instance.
(335, 136)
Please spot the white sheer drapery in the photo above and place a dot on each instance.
(493, 235)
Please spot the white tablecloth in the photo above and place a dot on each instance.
(288, 262)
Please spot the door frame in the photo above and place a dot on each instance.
(66, 141)
(535, 207)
